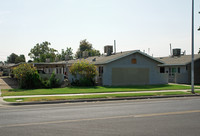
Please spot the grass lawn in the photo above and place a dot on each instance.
(97, 89)
(54, 98)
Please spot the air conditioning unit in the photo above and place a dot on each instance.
(176, 52)
(108, 49)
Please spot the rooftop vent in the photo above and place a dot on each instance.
(94, 59)
(108, 49)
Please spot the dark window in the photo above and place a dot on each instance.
(162, 69)
(100, 70)
(179, 70)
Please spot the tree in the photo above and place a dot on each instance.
(41, 52)
(86, 46)
(27, 76)
(84, 73)
(14, 58)
(68, 52)
(199, 51)
(19, 59)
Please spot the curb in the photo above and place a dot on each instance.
(97, 100)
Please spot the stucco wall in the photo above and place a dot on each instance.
(155, 77)
(181, 78)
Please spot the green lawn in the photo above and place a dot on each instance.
(54, 98)
(97, 89)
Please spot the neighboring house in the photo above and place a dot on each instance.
(5, 68)
(126, 68)
(50, 67)
(45, 69)
(178, 68)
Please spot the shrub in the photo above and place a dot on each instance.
(86, 72)
(52, 82)
(27, 76)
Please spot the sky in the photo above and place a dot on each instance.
(146, 25)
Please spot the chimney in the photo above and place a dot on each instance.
(85, 54)
(47, 60)
(115, 47)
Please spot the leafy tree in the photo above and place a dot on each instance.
(84, 73)
(19, 59)
(40, 52)
(14, 58)
(27, 76)
(199, 51)
(86, 46)
(68, 52)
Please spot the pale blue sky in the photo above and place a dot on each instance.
(134, 24)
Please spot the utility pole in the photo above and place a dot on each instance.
(192, 63)
(199, 26)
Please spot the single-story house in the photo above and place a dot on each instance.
(178, 68)
(126, 68)
(45, 69)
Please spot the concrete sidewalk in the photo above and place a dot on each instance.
(26, 96)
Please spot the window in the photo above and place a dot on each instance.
(101, 69)
(162, 69)
(179, 70)
(133, 61)
(173, 71)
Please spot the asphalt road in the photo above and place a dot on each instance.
(158, 117)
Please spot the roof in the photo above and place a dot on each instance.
(98, 60)
(178, 61)
(103, 59)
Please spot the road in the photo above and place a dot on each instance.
(158, 117)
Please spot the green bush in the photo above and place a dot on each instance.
(52, 82)
(27, 76)
(84, 73)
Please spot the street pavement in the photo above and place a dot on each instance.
(157, 117)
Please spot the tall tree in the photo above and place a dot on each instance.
(66, 53)
(41, 52)
(20, 58)
(12, 58)
(86, 46)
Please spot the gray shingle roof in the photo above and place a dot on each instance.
(103, 59)
(182, 60)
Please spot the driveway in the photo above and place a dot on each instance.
(8, 83)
